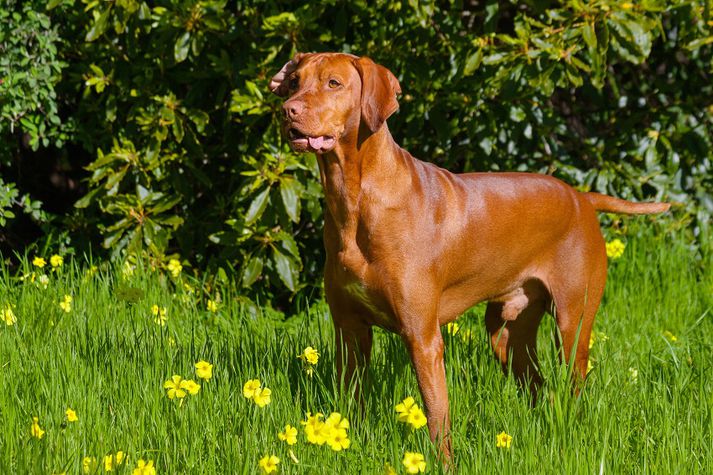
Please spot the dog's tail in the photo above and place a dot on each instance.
(610, 204)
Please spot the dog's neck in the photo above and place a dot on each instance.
(356, 168)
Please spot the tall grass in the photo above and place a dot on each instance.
(646, 408)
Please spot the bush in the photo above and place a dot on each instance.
(168, 108)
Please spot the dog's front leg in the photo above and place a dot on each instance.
(425, 346)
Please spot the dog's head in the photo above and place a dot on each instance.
(332, 95)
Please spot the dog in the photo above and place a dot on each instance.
(411, 246)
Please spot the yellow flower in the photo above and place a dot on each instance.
(452, 328)
(289, 435)
(389, 470)
(250, 387)
(615, 249)
(36, 430)
(39, 262)
(410, 413)
(634, 373)
(8, 316)
(160, 314)
(416, 418)
(175, 267)
(71, 415)
(503, 440)
(127, 269)
(310, 355)
(627, 5)
(56, 261)
(66, 303)
(191, 386)
(204, 370)
(590, 365)
(268, 464)
(212, 306)
(111, 461)
(414, 462)
(144, 468)
(262, 396)
(314, 428)
(176, 387)
(88, 464)
(670, 336)
(339, 440)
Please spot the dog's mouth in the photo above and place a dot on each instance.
(302, 142)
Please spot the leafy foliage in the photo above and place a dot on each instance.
(183, 149)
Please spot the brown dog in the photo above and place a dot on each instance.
(411, 246)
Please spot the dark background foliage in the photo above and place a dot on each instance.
(145, 129)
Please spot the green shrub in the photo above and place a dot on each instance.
(183, 150)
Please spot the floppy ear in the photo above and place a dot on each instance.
(278, 84)
(379, 88)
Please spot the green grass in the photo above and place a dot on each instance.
(107, 360)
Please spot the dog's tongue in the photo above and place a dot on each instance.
(316, 142)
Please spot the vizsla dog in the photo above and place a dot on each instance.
(411, 246)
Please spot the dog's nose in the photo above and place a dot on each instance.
(293, 109)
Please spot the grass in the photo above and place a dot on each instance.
(107, 359)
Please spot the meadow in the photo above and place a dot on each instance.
(108, 353)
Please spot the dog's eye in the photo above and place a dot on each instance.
(333, 83)
(294, 82)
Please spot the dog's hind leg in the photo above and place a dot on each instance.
(514, 341)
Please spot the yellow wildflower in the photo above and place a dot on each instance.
(36, 430)
(212, 306)
(634, 373)
(191, 386)
(127, 270)
(409, 412)
(39, 262)
(250, 387)
(204, 370)
(89, 464)
(144, 468)
(8, 316)
(452, 328)
(670, 336)
(66, 303)
(176, 387)
(615, 249)
(289, 435)
(414, 462)
(590, 365)
(262, 396)
(56, 261)
(310, 355)
(268, 464)
(71, 415)
(175, 267)
(314, 428)
(111, 461)
(503, 440)
(160, 314)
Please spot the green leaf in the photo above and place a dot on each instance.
(472, 62)
(182, 46)
(590, 36)
(287, 269)
(257, 206)
(251, 271)
(99, 26)
(290, 192)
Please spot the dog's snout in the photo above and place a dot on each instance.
(293, 109)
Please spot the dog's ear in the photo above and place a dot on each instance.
(379, 88)
(278, 84)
